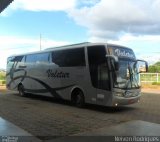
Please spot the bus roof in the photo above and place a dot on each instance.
(70, 46)
(83, 44)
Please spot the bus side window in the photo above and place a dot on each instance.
(42, 58)
(31, 58)
(69, 57)
(17, 59)
(13, 61)
(9, 60)
(57, 58)
(23, 59)
(38, 58)
(75, 57)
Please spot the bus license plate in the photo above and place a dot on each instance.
(131, 101)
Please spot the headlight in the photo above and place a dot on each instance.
(119, 94)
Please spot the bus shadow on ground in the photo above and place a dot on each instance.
(110, 109)
(93, 107)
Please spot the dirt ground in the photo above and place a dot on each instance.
(2, 88)
(148, 86)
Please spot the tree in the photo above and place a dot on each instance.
(155, 68)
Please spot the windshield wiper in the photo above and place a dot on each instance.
(133, 80)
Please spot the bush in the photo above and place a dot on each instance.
(2, 82)
(2, 76)
(156, 83)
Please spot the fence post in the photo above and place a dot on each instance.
(139, 79)
(149, 77)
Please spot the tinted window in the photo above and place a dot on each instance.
(9, 59)
(41, 57)
(15, 59)
(23, 59)
(31, 58)
(69, 57)
(18, 58)
(44, 57)
(96, 54)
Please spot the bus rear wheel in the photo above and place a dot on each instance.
(78, 98)
(21, 90)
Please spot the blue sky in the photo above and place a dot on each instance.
(56, 25)
(135, 24)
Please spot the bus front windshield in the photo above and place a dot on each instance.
(127, 76)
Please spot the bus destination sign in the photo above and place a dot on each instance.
(121, 52)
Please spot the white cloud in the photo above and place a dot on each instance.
(111, 19)
(140, 44)
(108, 19)
(144, 38)
(133, 23)
(146, 47)
(43, 5)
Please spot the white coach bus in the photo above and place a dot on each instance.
(95, 73)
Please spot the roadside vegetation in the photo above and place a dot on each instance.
(155, 77)
(2, 78)
(155, 68)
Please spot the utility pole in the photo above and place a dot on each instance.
(40, 44)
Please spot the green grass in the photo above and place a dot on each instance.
(156, 83)
(2, 76)
(2, 82)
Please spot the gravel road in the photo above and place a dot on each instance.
(46, 117)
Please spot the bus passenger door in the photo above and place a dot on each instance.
(103, 84)
(99, 74)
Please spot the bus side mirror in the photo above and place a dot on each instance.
(115, 59)
(143, 66)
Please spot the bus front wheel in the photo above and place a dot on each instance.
(21, 90)
(78, 98)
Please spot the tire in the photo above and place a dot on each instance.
(78, 99)
(21, 90)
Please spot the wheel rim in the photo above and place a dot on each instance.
(78, 99)
(21, 90)
(21, 93)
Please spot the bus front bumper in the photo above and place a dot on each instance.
(119, 101)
